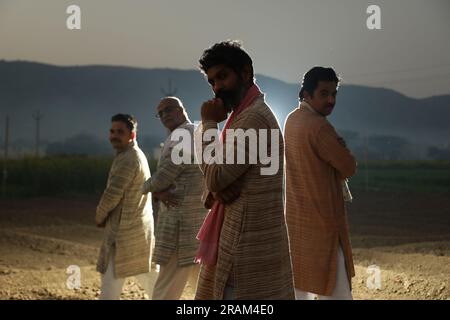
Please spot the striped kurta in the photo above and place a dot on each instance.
(316, 166)
(128, 214)
(253, 253)
(177, 227)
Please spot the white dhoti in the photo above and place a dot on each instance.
(341, 290)
(111, 287)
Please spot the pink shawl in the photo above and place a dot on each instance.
(209, 233)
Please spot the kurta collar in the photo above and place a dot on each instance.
(130, 146)
(305, 105)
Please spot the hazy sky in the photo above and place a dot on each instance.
(411, 53)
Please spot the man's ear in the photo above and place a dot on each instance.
(133, 135)
(306, 95)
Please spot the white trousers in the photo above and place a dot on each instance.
(341, 290)
(111, 287)
(172, 279)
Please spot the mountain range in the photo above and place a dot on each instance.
(80, 100)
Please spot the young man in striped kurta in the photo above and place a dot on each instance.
(178, 190)
(317, 166)
(245, 251)
(125, 214)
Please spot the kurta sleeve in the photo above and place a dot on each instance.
(123, 174)
(219, 176)
(332, 152)
(165, 175)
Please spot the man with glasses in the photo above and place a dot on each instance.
(177, 189)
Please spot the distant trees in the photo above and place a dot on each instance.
(81, 144)
(89, 145)
(378, 147)
(436, 153)
(388, 147)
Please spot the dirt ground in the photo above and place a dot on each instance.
(407, 236)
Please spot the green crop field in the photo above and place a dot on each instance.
(58, 176)
(403, 176)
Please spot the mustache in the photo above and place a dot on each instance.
(114, 140)
(222, 95)
(228, 99)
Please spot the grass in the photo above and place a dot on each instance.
(404, 176)
(71, 176)
(56, 176)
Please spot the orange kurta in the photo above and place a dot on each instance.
(316, 164)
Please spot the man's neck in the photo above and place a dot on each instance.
(177, 126)
(246, 88)
(128, 146)
(311, 108)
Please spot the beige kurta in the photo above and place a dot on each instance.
(253, 255)
(128, 214)
(316, 165)
(177, 227)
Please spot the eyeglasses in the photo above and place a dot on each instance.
(166, 110)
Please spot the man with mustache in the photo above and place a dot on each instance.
(317, 166)
(125, 214)
(178, 190)
(244, 249)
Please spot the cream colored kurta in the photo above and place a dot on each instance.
(177, 227)
(128, 215)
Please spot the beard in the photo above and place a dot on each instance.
(231, 98)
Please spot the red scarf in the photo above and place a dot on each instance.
(209, 233)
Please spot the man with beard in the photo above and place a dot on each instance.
(244, 249)
(125, 214)
(317, 166)
(178, 190)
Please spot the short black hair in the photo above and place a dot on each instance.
(229, 53)
(312, 77)
(128, 119)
